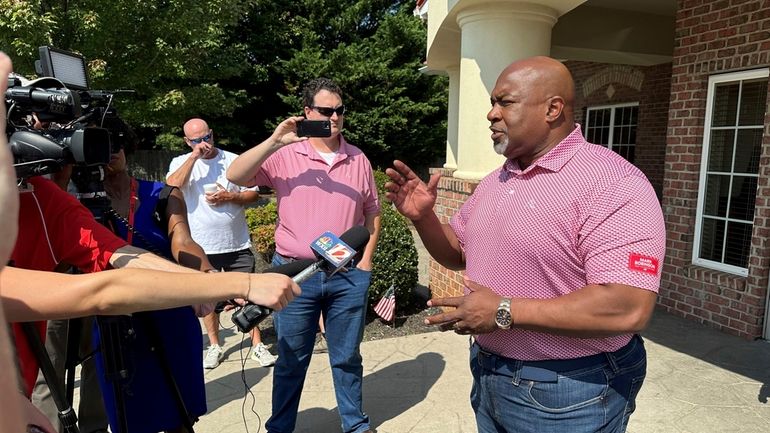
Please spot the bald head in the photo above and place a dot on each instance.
(193, 126)
(544, 78)
(532, 108)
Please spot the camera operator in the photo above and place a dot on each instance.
(54, 227)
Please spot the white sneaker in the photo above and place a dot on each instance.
(213, 356)
(263, 356)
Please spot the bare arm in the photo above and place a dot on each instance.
(125, 291)
(181, 176)
(132, 257)
(245, 167)
(373, 223)
(185, 250)
(241, 197)
(596, 310)
(415, 200)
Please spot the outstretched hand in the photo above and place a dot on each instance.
(272, 290)
(411, 196)
(474, 313)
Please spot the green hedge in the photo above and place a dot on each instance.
(261, 221)
(395, 260)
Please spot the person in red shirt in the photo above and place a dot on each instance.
(52, 228)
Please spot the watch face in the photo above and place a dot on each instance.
(503, 318)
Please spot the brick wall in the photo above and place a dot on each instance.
(712, 37)
(603, 84)
(452, 193)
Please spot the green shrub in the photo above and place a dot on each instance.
(261, 221)
(395, 260)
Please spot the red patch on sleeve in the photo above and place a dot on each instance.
(646, 264)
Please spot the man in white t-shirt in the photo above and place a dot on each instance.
(215, 211)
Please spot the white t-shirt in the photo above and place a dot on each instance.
(217, 229)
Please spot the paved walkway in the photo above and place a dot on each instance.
(698, 381)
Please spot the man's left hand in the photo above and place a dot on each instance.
(474, 313)
(220, 196)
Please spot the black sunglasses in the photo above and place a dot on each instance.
(198, 140)
(328, 111)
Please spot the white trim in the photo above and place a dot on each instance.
(613, 107)
(713, 81)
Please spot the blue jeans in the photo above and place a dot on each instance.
(342, 299)
(596, 396)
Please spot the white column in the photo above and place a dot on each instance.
(452, 116)
(493, 36)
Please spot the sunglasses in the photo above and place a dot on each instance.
(328, 111)
(198, 140)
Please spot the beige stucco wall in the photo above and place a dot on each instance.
(472, 41)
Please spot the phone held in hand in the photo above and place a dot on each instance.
(314, 128)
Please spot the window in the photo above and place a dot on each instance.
(732, 141)
(614, 127)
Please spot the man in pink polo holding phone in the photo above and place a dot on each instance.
(322, 184)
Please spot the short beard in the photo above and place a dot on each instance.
(501, 146)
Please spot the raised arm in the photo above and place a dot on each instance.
(245, 167)
(415, 199)
(181, 175)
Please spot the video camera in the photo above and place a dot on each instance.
(56, 120)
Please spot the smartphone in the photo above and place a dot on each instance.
(314, 128)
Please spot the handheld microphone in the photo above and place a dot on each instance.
(334, 253)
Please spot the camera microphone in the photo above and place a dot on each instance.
(333, 254)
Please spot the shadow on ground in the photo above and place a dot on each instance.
(706, 345)
(388, 392)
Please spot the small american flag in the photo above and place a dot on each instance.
(386, 307)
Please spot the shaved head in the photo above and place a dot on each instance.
(545, 78)
(193, 126)
(532, 108)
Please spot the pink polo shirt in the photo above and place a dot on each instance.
(314, 197)
(579, 215)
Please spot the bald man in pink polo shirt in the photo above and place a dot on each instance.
(322, 184)
(562, 247)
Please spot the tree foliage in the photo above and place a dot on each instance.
(180, 56)
(241, 64)
(373, 50)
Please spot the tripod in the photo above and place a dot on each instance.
(117, 333)
(66, 414)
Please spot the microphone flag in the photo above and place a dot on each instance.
(333, 249)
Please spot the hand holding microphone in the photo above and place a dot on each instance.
(333, 254)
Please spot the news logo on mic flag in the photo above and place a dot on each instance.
(333, 249)
(386, 307)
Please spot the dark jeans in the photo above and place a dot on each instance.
(590, 394)
(342, 299)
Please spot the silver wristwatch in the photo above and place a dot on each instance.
(503, 317)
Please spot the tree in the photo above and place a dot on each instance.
(373, 49)
(241, 65)
(175, 54)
